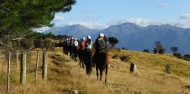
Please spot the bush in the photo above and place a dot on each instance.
(115, 56)
(146, 50)
(124, 58)
(178, 55)
(38, 43)
(47, 43)
(187, 57)
(27, 44)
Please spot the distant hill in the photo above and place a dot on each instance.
(77, 31)
(134, 37)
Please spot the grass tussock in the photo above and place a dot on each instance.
(65, 76)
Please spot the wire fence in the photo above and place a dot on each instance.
(22, 64)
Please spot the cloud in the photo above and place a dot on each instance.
(162, 5)
(94, 22)
(87, 21)
(185, 16)
(139, 21)
(146, 22)
(41, 29)
(92, 25)
(143, 22)
(58, 18)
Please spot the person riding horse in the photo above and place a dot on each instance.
(75, 49)
(81, 52)
(71, 47)
(66, 47)
(88, 55)
(100, 57)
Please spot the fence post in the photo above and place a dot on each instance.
(8, 72)
(17, 60)
(37, 65)
(1, 61)
(30, 58)
(23, 69)
(44, 67)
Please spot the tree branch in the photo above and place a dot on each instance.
(20, 38)
(7, 9)
(6, 45)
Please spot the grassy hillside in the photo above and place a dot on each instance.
(65, 75)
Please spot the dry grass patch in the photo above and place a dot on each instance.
(65, 75)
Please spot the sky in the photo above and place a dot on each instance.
(100, 14)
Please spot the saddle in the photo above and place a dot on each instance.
(97, 55)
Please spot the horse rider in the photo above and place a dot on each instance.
(88, 55)
(100, 47)
(81, 52)
(75, 48)
(101, 57)
(71, 47)
(66, 46)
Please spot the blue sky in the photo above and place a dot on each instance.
(103, 13)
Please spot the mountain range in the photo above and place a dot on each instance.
(134, 37)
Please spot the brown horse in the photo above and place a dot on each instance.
(102, 61)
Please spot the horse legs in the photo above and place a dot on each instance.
(97, 71)
(83, 64)
(101, 71)
(80, 62)
(106, 73)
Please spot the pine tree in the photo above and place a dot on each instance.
(18, 17)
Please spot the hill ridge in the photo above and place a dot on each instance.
(134, 37)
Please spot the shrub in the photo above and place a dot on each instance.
(47, 43)
(115, 56)
(146, 50)
(187, 57)
(27, 44)
(124, 58)
(178, 55)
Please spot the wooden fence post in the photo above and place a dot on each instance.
(37, 65)
(8, 72)
(17, 60)
(23, 69)
(44, 67)
(1, 61)
(30, 58)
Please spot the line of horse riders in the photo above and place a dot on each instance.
(90, 55)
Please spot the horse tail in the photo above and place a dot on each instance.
(107, 59)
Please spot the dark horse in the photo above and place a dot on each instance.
(81, 55)
(101, 60)
(88, 61)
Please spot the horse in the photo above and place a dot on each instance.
(75, 52)
(81, 55)
(102, 62)
(88, 61)
(72, 50)
(66, 48)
